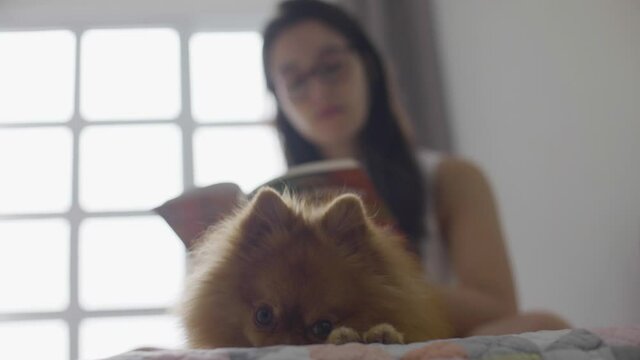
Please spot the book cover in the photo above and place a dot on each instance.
(191, 213)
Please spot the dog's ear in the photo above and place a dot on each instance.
(345, 222)
(267, 212)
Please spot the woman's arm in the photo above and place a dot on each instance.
(467, 213)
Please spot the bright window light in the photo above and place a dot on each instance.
(133, 262)
(129, 167)
(248, 156)
(46, 339)
(34, 265)
(35, 169)
(227, 83)
(130, 74)
(82, 166)
(102, 338)
(37, 76)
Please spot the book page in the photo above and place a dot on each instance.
(191, 213)
(335, 177)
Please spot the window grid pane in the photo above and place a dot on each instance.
(130, 74)
(106, 337)
(37, 76)
(149, 258)
(129, 167)
(38, 250)
(38, 181)
(39, 339)
(248, 155)
(227, 84)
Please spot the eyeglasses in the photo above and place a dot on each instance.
(332, 70)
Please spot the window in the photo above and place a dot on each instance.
(97, 127)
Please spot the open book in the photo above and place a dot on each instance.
(195, 210)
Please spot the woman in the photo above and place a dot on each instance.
(334, 102)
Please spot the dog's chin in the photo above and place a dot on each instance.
(283, 339)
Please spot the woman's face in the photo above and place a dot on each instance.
(321, 84)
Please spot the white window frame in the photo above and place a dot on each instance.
(186, 18)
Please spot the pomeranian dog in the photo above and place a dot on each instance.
(285, 270)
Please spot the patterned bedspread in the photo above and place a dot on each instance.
(620, 343)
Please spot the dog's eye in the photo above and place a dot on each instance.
(321, 329)
(264, 316)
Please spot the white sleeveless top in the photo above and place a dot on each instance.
(434, 250)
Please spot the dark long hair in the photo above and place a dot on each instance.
(386, 153)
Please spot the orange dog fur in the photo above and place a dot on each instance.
(285, 270)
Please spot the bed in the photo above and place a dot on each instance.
(619, 343)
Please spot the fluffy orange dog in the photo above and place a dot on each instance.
(294, 271)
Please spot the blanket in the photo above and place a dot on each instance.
(619, 343)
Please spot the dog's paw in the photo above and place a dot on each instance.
(383, 334)
(343, 335)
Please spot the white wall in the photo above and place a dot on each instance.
(545, 96)
(218, 14)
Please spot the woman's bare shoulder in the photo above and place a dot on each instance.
(458, 168)
(449, 167)
(457, 178)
